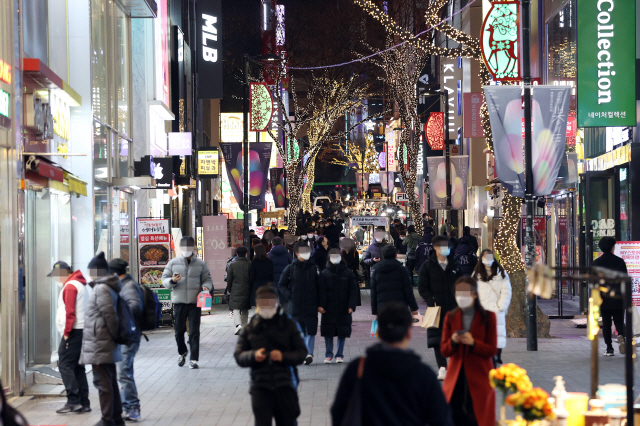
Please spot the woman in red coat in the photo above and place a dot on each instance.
(469, 340)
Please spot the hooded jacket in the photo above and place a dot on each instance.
(239, 284)
(194, 274)
(281, 258)
(132, 294)
(299, 286)
(338, 293)
(611, 261)
(411, 241)
(391, 282)
(436, 287)
(101, 323)
(398, 388)
(72, 304)
(281, 333)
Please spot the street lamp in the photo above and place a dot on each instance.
(245, 136)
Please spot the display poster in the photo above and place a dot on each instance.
(154, 250)
(199, 247)
(259, 158)
(236, 230)
(459, 174)
(164, 297)
(629, 251)
(540, 227)
(216, 251)
(278, 187)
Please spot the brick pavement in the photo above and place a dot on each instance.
(217, 393)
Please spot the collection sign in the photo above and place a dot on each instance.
(606, 63)
(208, 26)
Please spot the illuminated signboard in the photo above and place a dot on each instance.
(499, 41)
(5, 72)
(434, 129)
(61, 116)
(162, 54)
(208, 162)
(208, 25)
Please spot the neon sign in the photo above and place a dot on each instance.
(5, 72)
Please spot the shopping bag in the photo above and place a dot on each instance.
(635, 316)
(204, 301)
(417, 320)
(374, 328)
(432, 317)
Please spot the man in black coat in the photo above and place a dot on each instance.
(436, 286)
(611, 309)
(299, 287)
(332, 232)
(398, 388)
(391, 282)
(373, 255)
(271, 345)
(465, 255)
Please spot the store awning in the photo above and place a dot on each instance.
(141, 8)
(76, 185)
(39, 78)
(50, 171)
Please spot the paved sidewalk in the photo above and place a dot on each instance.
(217, 394)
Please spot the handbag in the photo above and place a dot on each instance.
(417, 320)
(204, 301)
(432, 317)
(353, 413)
(635, 316)
(374, 328)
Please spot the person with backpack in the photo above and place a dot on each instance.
(465, 256)
(424, 248)
(132, 294)
(186, 277)
(411, 242)
(272, 346)
(392, 385)
(72, 305)
(102, 330)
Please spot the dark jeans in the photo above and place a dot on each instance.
(461, 403)
(410, 265)
(281, 404)
(105, 380)
(618, 319)
(73, 374)
(441, 360)
(182, 312)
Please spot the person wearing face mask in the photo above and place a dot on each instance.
(494, 293)
(321, 252)
(299, 288)
(469, 339)
(338, 298)
(310, 239)
(373, 255)
(332, 232)
(391, 282)
(271, 345)
(186, 276)
(239, 288)
(436, 280)
(72, 305)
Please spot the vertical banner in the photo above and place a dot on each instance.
(437, 183)
(504, 104)
(459, 181)
(236, 232)
(209, 31)
(384, 182)
(472, 118)
(629, 251)
(449, 76)
(216, 252)
(154, 250)
(277, 187)
(362, 182)
(459, 174)
(606, 63)
(259, 157)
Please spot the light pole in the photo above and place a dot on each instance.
(245, 138)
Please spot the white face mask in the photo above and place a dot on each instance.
(487, 260)
(402, 238)
(310, 236)
(342, 238)
(187, 253)
(304, 256)
(313, 224)
(379, 236)
(267, 312)
(59, 282)
(444, 251)
(335, 258)
(304, 237)
(464, 302)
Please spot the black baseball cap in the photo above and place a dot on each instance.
(60, 265)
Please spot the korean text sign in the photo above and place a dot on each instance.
(154, 250)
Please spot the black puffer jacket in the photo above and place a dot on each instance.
(320, 257)
(436, 288)
(391, 282)
(281, 333)
(260, 273)
(465, 256)
(281, 258)
(299, 286)
(238, 284)
(374, 250)
(101, 323)
(613, 262)
(132, 294)
(338, 294)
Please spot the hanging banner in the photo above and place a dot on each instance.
(434, 129)
(216, 252)
(384, 182)
(499, 40)
(236, 232)
(472, 117)
(606, 63)
(209, 30)
(459, 175)
(504, 104)
(277, 187)
(362, 182)
(437, 183)
(259, 157)
(154, 250)
(260, 107)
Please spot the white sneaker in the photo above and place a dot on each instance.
(328, 360)
(238, 329)
(231, 314)
(442, 373)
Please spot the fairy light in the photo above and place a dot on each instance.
(367, 156)
(506, 246)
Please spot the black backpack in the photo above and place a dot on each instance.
(127, 324)
(151, 309)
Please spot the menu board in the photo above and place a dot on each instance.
(154, 250)
(629, 251)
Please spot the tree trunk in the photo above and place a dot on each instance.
(414, 204)
(517, 316)
(294, 184)
(306, 195)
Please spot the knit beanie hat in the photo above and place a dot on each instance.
(118, 266)
(99, 263)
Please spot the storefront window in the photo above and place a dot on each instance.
(99, 58)
(561, 45)
(122, 50)
(101, 136)
(101, 226)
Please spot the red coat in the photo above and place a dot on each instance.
(477, 361)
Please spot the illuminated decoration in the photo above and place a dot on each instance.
(499, 40)
(434, 129)
(505, 243)
(365, 158)
(5, 72)
(261, 107)
(280, 32)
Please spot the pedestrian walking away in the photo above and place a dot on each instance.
(260, 271)
(99, 347)
(239, 289)
(436, 286)
(272, 346)
(70, 317)
(186, 276)
(132, 294)
(395, 387)
(338, 298)
(299, 287)
(411, 242)
(469, 339)
(391, 282)
(281, 258)
(494, 293)
(321, 253)
(232, 259)
(611, 310)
